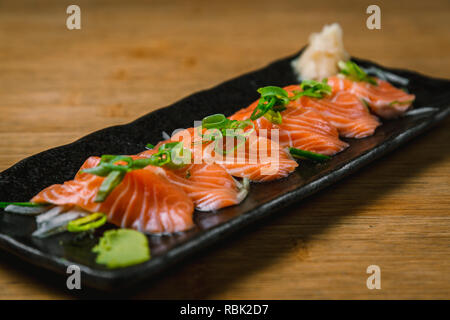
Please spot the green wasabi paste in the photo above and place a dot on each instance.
(120, 248)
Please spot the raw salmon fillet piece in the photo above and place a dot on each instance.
(384, 99)
(260, 159)
(209, 186)
(145, 200)
(343, 110)
(302, 128)
(248, 161)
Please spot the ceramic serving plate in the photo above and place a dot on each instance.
(29, 176)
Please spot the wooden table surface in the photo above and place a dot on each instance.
(130, 58)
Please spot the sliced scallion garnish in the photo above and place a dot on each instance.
(274, 116)
(89, 222)
(219, 121)
(352, 71)
(272, 98)
(56, 224)
(366, 104)
(218, 126)
(314, 89)
(307, 155)
(21, 204)
(400, 103)
(112, 180)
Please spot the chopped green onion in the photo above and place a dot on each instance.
(215, 121)
(307, 155)
(21, 204)
(113, 179)
(173, 155)
(92, 221)
(274, 116)
(352, 71)
(273, 91)
(272, 98)
(220, 126)
(314, 89)
(365, 103)
(112, 164)
(396, 102)
(100, 170)
(142, 163)
(219, 121)
(149, 146)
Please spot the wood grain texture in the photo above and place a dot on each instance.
(132, 57)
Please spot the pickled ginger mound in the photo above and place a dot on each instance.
(319, 60)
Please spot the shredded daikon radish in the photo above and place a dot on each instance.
(55, 220)
(27, 210)
(56, 225)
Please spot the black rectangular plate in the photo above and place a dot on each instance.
(29, 176)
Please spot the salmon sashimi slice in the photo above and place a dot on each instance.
(145, 200)
(343, 110)
(246, 161)
(259, 160)
(384, 99)
(302, 128)
(209, 185)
